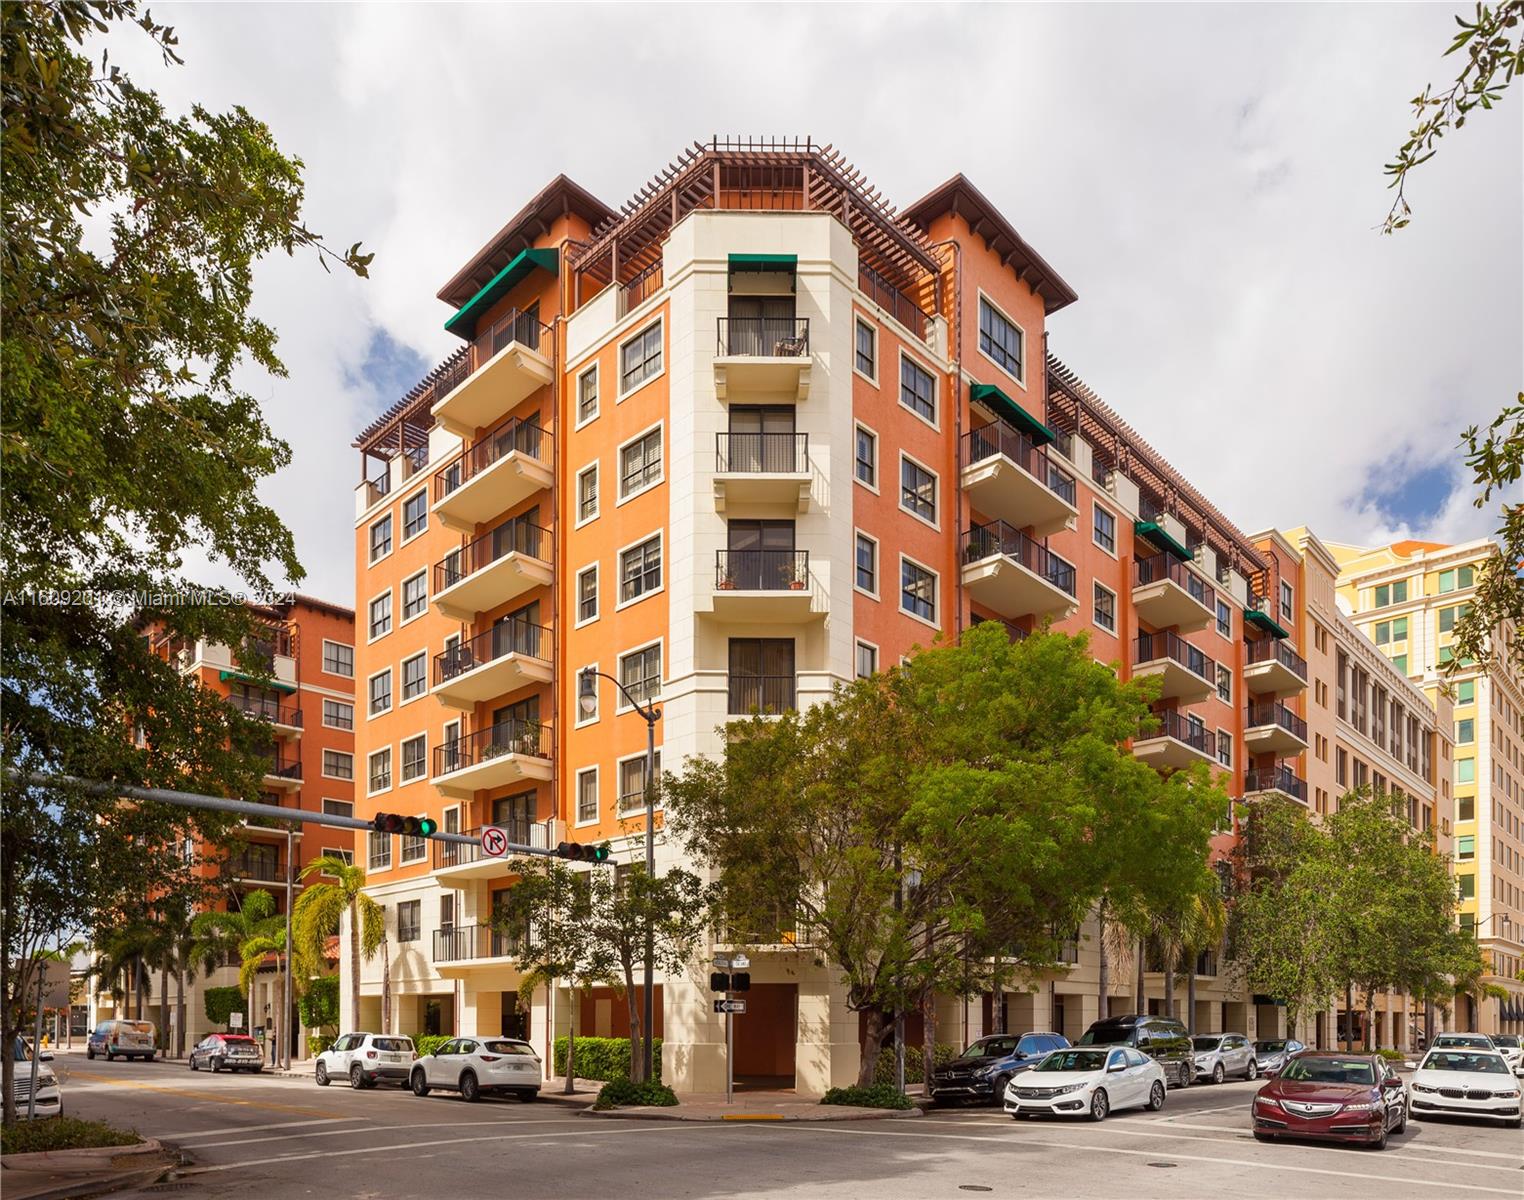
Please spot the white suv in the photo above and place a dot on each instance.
(472, 1066)
(366, 1059)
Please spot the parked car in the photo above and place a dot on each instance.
(1272, 1054)
(1463, 1041)
(476, 1066)
(1219, 1055)
(366, 1059)
(122, 1039)
(1087, 1081)
(1332, 1097)
(1465, 1083)
(49, 1096)
(1163, 1039)
(1511, 1047)
(233, 1051)
(982, 1071)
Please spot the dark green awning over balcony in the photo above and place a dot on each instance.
(1007, 409)
(1161, 537)
(463, 323)
(275, 684)
(1265, 621)
(764, 262)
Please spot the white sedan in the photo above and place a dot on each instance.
(1463, 1082)
(1087, 1081)
(473, 1066)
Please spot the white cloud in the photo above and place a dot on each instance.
(1207, 177)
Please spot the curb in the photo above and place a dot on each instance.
(95, 1167)
(747, 1118)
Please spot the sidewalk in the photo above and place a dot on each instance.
(61, 1174)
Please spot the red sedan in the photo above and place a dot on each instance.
(1332, 1097)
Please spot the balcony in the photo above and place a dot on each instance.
(283, 774)
(1008, 572)
(509, 656)
(1008, 475)
(1271, 728)
(502, 754)
(762, 356)
(1277, 780)
(1188, 674)
(762, 468)
(458, 949)
(1272, 668)
(766, 694)
(762, 585)
(506, 364)
(492, 570)
(1176, 744)
(284, 720)
(893, 301)
(1167, 594)
(455, 861)
(504, 468)
(254, 868)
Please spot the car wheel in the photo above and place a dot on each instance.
(1251, 1072)
(1187, 1074)
(193, 1065)
(419, 1084)
(322, 1075)
(356, 1077)
(1379, 1141)
(1156, 1096)
(89, 1054)
(529, 1097)
(470, 1090)
(1402, 1120)
(1218, 1074)
(1099, 1105)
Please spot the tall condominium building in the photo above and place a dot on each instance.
(1406, 598)
(748, 436)
(308, 702)
(1366, 725)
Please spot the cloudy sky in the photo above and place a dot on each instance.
(1207, 178)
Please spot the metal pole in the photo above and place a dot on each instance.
(730, 1051)
(899, 1010)
(31, 1100)
(648, 1023)
(285, 1050)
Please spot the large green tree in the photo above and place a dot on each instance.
(943, 826)
(335, 887)
(126, 442)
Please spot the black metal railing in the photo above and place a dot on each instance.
(763, 337)
(514, 436)
(1173, 725)
(1000, 438)
(1158, 567)
(636, 291)
(506, 737)
(266, 709)
(888, 297)
(513, 326)
(997, 537)
(767, 453)
(283, 768)
(462, 943)
(520, 831)
(761, 570)
(761, 694)
(1277, 778)
(1261, 715)
(507, 637)
(260, 867)
(514, 537)
(1013, 631)
(1153, 646)
(1262, 650)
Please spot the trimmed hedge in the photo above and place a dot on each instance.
(62, 1133)
(880, 1095)
(623, 1093)
(427, 1043)
(603, 1058)
(221, 1003)
(319, 1005)
(319, 1042)
(883, 1070)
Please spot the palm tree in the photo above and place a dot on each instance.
(122, 956)
(221, 935)
(1201, 927)
(320, 910)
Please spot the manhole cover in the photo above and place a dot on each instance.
(1163, 1164)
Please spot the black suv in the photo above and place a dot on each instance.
(982, 1071)
(1161, 1038)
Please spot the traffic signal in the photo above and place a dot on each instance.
(738, 981)
(576, 852)
(410, 826)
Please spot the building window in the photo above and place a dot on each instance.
(1465, 731)
(640, 358)
(640, 672)
(1465, 770)
(1105, 531)
(1465, 808)
(866, 359)
(1224, 684)
(338, 765)
(587, 493)
(918, 490)
(409, 912)
(640, 463)
(415, 676)
(640, 570)
(1467, 888)
(338, 659)
(1400, 661)
(1286, 599)
(918, 591)
(761, 675)
(867, 564)
(381, 616)
(381, 538)
(867, 660)
(338, 715)
(1224, 619)
(1341, 766)
(587, 594)
(1449, 616)
(1465, 847)
(380, 856)
(632, 781)
(999, 338)
(587, 395)
(1392, 593)
(587, 795)
(347, 857)
(415, 596)
(866, 467)
(380, 689)
(1105, 609)
(415, 513)
(1225, 747)
(1465, 692)
(918, 389)
(381, 770)
(338, 808)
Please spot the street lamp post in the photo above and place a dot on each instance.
(587, 699)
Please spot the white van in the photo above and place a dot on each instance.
(122, 1039)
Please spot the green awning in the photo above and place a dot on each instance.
(1007, 409)
(1263, 620)
(764, 262)
(463, 323)
(1161, 537)
(256, 680)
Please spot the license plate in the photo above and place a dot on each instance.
(391, 1058)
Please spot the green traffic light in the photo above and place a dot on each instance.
(427, 826)
(598, 853)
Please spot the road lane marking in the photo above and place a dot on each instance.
(286, 1137)
(201, 1133)
(217, 1097)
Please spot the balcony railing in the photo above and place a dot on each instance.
(1260, 715)
(1278, 778)
(996, 537)
(1197, 737)
(1013, 631)
(513, 326)
(508, 637)
(764, 453)
(515, 435)
(638, 290)
(761, 693)
(466, 942)
(1009, 442)
(761, 570)
(283, 768)
(1158, 567)
(763, 337)
(520, 832)
(1153, 646)
(1274, 650)
(262, 709)
(899, 306)
(518, 537)
(506, 737)
(259, 867)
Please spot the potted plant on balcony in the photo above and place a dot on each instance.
(727, 581)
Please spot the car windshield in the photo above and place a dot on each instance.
(1330, 1070)
(1074, 1060)
(237, 1039)
(1107, 1035)
(1206, 1043)
(1270, 1047)
(509, 1048)
(990, 1047)
(1475, 1041)
(1461, 1060)
(393, 1043)
(1511, 1040)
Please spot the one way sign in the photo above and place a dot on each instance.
(730, 1006)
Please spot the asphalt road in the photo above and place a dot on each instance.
(270, 1139)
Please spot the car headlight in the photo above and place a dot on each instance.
(1073, 1087)
(1513, 1095)
(1364, 1106)
(1267, 1101)
(1423, 1087)
(986, 1072)
(46, 1078)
